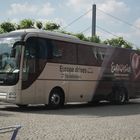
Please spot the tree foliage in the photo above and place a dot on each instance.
(39, 24)
(51, 26)
(7, 27)
(1, 30)
(95, 39)
(28, 23)
(118, 42)
(81, 36)
(138, 49)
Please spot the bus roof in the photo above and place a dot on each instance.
(39, 31)
(52, 35)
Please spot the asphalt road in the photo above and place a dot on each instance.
(74, 122)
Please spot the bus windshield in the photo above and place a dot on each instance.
(10, 53)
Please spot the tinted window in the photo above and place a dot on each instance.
(44, 48)
(99, 54)
(64, 52)
(85, 55)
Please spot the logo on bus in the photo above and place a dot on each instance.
(120, 68)
(74, 71)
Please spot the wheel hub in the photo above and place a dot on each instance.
(55, 99)
(122, 96)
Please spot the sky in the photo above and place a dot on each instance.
(114, 17)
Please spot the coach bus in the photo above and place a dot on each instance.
(40, 67)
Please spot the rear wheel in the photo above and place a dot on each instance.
(56, 99)
(119, 96)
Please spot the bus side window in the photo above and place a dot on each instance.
(102, 55)
(85, 55)
(42, 49)
(98, 54)
(49, 49)
(64, 52)
(45, 49)
(94, 50)
(57, 52)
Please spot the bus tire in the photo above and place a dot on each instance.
(119, 96)
(56, 99)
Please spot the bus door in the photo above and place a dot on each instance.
(29, 72)
(35, 57)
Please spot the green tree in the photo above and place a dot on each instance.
(95, 39)
(65, 32)
(6, 27)
(138, 49)
(1, 30)
(128, 45)
(39, 24)
(118, 42)
(51, 26)
(81, 36)
(26, 23)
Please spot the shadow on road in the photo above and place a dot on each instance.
(103, 109)
(5, 114)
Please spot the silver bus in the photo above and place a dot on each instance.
(41, 67)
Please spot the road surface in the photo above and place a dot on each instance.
(74, 122)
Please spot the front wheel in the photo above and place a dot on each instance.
(56, 99)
